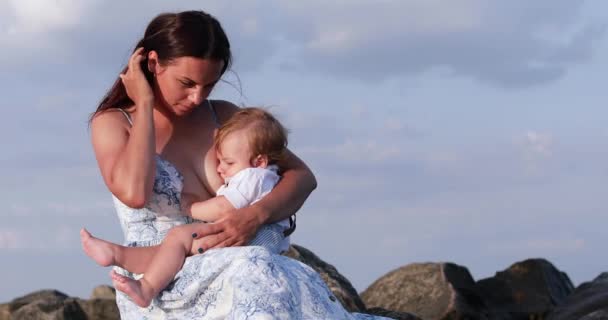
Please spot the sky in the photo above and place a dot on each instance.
(464, 131)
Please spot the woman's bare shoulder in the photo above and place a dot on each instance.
(110, 118)
(225, 109)
(108, 128)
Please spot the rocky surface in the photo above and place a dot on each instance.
(55, 305)
(337, 283)
(391, 314)
(103, 292)
(428, 290)
(532, 289)
(526, 290)
(589, 301)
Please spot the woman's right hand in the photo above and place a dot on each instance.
(134, 80)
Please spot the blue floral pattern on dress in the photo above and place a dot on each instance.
(250, 282)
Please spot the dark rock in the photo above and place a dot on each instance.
(50, 310)
(50, 297)
(589, 301)
(100, 309)
(103, 292)
(428, 290)
(55, 305)
(597, 315)
(5, 313)
(337, 283)
(526, 290)
(391, 314)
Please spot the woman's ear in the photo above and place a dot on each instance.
(153, 65)
(261, 161)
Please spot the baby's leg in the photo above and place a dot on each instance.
(162, 269)
(130, 287)
(134, 259)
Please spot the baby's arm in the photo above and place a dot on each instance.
(210, 210)
(244, 188)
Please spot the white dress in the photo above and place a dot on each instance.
(231, 283)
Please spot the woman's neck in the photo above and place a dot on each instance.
(164, 125)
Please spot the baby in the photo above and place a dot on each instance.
(249, 146)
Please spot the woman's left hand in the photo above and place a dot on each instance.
(236, 228)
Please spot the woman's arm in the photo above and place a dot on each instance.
(126, 156)
(289, 194)
(238, 227)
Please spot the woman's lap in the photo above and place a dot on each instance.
(237, 282)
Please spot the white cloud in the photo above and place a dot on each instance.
(538, 144)
(537, 151)
(43, 16)
(505, 43)
(9, 239)
(341, 27)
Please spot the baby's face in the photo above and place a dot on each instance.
(234, 154)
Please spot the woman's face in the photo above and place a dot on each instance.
(184, 83)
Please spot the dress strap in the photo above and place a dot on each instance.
(127, 115)
(213, 113)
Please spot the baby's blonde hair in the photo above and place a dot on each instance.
(266, 134)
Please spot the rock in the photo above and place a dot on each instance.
(100, 309)
(51, 297)
(46, 305)
(103, 292)
(589, 301)
(55, 305)
(337, 283)
(428, 290)
(391, 314)
(5, 313)
(528, 289)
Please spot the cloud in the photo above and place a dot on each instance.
(39, 16)
(9, 239)
(507, 44)
(36, 30)
(537, 152)
(538, 144)
(50, 238)
(502, 43)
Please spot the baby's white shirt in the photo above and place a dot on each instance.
(250, 185)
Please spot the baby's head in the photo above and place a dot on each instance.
(252, 137)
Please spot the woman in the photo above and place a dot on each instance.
(152, 135)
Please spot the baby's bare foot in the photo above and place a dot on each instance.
(97, 249)
(132, 288)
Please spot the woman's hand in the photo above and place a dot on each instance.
(134, 80)
(236, 228)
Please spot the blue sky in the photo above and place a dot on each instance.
(466, 131)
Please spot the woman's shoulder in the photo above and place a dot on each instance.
(110, 120)
(112, 115)
(224, 109)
